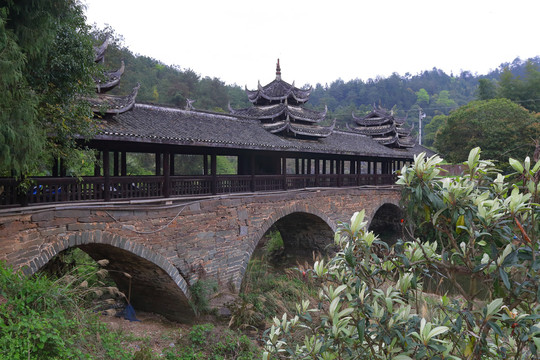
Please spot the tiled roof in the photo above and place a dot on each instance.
(174, 126)
(278, 90)
(281, 110)
(383, 127)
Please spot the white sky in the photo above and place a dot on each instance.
(319, 41)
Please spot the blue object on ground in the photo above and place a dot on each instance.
(129, 313)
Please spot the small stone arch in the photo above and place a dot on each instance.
(306, 210)
(156, 285)
(386, 222)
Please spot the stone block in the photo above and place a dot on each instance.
(43, 216)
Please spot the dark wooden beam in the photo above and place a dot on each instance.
(252, 171)
(106, 176)
(213, 169)
(166, 174)
(284, 172)
(123, 163)
(158, 164)
(116, 163)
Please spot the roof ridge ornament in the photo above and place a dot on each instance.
(189, 104)
(278, 71)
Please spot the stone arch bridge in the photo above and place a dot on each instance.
(167, 245)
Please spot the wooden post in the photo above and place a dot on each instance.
(213, 169)
(338, 172)
(55, 167)
(358, 171)
(116, 163)
(317, 171)
(284, 172)
(158, 164)
(166, 174)
(106, 176)
(252, 171)
(171, 164)
(97, 168)
(123, 163)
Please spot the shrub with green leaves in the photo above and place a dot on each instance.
(374, 302)
(42, 318)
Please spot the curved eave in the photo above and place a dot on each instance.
(261, 112)
(312, 116)
(316, 132)
(278, 90)
(112, 79)
(370, 120)
(99, 51)
(110, 104)
(374, 130)
(405, 143)
(276, 127)
(387, 140)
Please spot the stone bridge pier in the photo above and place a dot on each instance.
(167, 246)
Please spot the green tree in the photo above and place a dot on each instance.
(487, 89)
(431, 129)
(444, 102)
(46, 62)
(524, 90)
(500, 127)
(422, 97)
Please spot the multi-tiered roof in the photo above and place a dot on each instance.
(110, 104)
(279, 108)
(384, 128)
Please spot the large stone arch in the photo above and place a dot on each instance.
(305, 210)
(156, 285)
(386, 222)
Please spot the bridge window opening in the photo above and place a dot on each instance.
(186, 164)
(386, 223)
(140, 164)
(227, 165)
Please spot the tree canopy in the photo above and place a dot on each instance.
(500, 127)
(46, 62)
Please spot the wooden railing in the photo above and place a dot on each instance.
(40, 190)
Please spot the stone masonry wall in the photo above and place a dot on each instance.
(212, 237)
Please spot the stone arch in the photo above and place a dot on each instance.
(386, 222)
(156, 285)
(308, 211)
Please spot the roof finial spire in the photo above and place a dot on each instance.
(278, 71)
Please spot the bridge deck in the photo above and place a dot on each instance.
(69, 189)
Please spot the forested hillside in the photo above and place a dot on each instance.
(433, 91)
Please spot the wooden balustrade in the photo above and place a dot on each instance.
(41, 190)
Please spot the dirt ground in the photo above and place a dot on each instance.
(153, 331)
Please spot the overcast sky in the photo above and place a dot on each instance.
(316, 41)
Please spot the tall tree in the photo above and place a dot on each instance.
(500, 127)
(46, 62)
(487, 89)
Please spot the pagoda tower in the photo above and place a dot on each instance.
(384, 128)
(279, 108)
